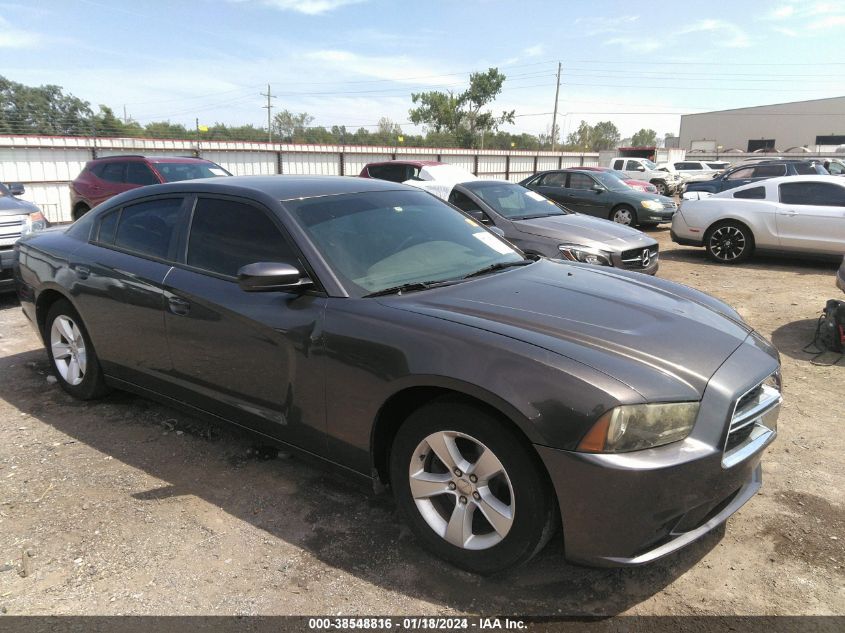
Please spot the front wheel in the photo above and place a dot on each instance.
(729, 243)
(662, 189)
(71, 353)
(469, 488)
(624, 215)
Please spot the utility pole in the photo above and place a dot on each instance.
(269, 107)
(554, 116)
(125, 118)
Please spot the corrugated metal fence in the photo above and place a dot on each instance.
(47, 164)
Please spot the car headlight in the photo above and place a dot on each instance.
(635, 427)
(652, 205)
(585, 254)
(34, 222)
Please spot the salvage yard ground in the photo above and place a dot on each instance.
(126, 506)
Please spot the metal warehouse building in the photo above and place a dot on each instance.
(818, 125)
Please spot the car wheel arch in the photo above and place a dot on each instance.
(80, 209)
(45, 300)
(403, 402)
(730, 220)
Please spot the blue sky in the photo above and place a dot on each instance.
(349, 62)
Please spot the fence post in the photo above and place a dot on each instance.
(341, 158)
(581, 160)
(279, 162)
(560, 162)
(508, 167)
(536, 161)
(475, 165)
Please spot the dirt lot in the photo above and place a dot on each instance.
(125, 506)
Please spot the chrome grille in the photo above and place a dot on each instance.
(633, 258)
(10, 228)
(753, 422)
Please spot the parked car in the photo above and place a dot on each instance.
(689, 170)
(840, 276)
(17, 217)
(834, 166)
(744, 174)
(637, 185)
(105, 177)
(397, 170)
(538, 226)
(603, 196)
(643, 169)
(718, 165)
(379, 328)
(792, 214)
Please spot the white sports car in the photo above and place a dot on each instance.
(792, 214)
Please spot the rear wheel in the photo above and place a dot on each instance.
(71, 353)
(729, 243)
(624, 214)
(662, 189)
(469, 488)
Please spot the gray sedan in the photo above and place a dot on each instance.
(539, 226)
(17, 217)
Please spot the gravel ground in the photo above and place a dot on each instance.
(128, 507)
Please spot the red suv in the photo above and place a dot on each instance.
(105, 177)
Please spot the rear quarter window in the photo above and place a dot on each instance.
(755, 193)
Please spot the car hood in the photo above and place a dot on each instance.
(662, 339)
(581, 229)
(9, 205)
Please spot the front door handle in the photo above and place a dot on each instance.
(179, 306)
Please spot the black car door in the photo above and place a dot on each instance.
(250, 357)
(117, 287)
(553, 186)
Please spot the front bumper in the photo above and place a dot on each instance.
(647, 216)
(633, 508)
(682, 234)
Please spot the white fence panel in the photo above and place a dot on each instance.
(353, 163)
(243, 163)
(52, 198)
(320, 163)
(416, 156)
(570, 161)
(491, 166)
(30, 164)
(464, 162)
(545, 163)
(118, 151)
(521, 167)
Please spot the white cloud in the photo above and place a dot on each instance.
(785, 31)
(308, 7)
(399, 68)
(729, 34)
(637, 44)
(11, 37)
(599, 25)
(534, 51)
(828, 22)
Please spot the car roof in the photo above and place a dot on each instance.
(728, 193)
(412, 163)
(152, 159)
(281, 187)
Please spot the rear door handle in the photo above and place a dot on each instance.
(179, 306)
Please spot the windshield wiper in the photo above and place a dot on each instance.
(411, 287)
(541, 215)
(499, 266)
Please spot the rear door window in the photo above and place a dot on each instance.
(769, 171)
(227, 235)
(822, 194)
(741, 174)
(139, 174)
(148, 228)
(555, 179)
(754, 193)
(113, 172)
(617, 164)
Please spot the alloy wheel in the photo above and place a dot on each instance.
(727, 243)
(623, 216)
(68, 349)
(461, 490)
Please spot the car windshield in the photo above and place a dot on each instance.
(621, 175)
(514, 202)
(3, 191)
(648, 164)
(610, 181)
(379, 240)
(172, 172)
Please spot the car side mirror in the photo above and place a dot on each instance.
(597, 188)
(16, 188)
(478, 214)
(272, 277)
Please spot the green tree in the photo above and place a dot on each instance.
(462, 115)
(42, 110)
(166, 129)
(644, 138)
(605, 136)
(290, 126)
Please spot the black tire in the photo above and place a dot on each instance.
(662, 189)
(729, 243)
(92, 384)
(624, 214)
(80, 210)
(535, 513)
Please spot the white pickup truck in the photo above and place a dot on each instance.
(643, 169)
